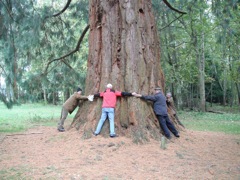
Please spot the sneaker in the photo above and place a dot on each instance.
(113, 135)
(169, 137)
(61, 129)
(95, 134)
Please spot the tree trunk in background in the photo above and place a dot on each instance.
(15, 72)
(12, 61)
(225, 88)
(67, 94)
(123, 51)
(172, 58)
(45, 95)
(211, 95)
(238, 92)
(55, 98)
(201, 77)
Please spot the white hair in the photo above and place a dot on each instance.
(109, 86)
(169, 94)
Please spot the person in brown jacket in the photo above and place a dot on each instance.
(171, 106)
(69, 106)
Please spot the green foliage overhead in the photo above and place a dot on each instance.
(31, 37)
(182, 41)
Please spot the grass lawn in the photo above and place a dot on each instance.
(227, 122)
(22, 117)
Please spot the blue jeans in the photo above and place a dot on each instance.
(106, 112)
(167, 125)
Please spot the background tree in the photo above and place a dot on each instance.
(181, 74)
(30, 39)
(42, 44)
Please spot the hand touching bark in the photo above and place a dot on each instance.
(136, 95)
(90, 97)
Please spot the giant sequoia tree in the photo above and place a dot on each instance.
(124, 51)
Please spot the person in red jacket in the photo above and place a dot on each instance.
(109, 102)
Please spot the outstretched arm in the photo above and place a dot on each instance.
(126, 94)
(97, 95)
(150, 98)
(83, 97)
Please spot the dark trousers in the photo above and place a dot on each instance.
(167, 125)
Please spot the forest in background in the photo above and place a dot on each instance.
(44, 52)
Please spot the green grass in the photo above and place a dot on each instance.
(25, 116)
(225, 109)
(20, 118)
(227, 122)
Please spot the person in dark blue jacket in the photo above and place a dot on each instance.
(160, 109)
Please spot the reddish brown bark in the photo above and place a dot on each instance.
(124, 51)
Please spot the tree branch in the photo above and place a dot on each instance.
(9, 103)
(71, 52)
(24, 134)
(8, 10)
(174, 9)
(171, 22)
(3, 69)
(67, 64)
(62, 11)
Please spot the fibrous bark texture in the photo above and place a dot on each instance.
(124, 51)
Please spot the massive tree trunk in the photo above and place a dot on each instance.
(123, 51)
